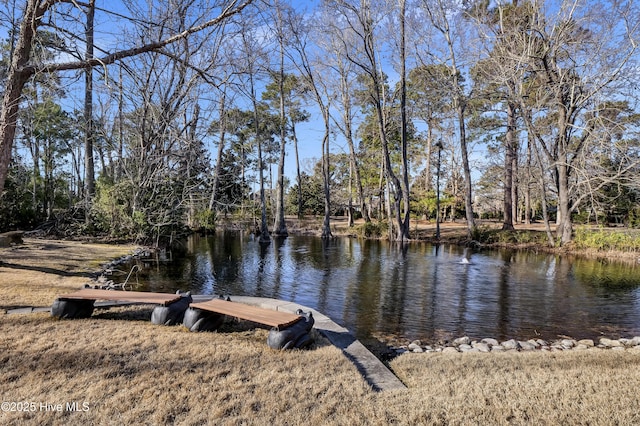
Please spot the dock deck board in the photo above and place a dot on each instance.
(124, 296)
(248, 312)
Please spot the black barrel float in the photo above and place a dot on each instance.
(293, 336)
(202, 320)
(173, 313)
(72, 308)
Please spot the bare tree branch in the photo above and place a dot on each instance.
(232, 9)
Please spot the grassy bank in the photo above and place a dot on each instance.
(591, 241)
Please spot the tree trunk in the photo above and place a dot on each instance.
(468, 201)
(514, 188)
(565, 226)
(428, 179)
(527, 190)
(280, 225)
(192, 140)
(509, 155)
(17, 77)
(298, 174)
(404, 224)
(350, 206)
(89, 166)
(382, 212)
(264, 238)
(326, 175)
(120, 154)
(459, 106)
(221, 142)
(393, 183)
(355, 166)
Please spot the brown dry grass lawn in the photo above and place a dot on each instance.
(129, 371)
(34, 273)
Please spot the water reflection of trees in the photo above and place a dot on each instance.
(362, 297)
(393, 288)
(419, 291)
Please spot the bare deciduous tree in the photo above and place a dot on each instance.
(441, 14)
(21, 68)
(578, 62)
(358, 18)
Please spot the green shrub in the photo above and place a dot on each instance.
(109, 210)
(486, 235)
(605, 240)
(634, 218)
(372, 230)
(483, 234)
(205, 220)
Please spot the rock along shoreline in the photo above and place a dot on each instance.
(467, 345)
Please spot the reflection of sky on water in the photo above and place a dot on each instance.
(418, 292)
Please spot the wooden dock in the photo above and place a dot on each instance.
(247, 312)
(122, 296)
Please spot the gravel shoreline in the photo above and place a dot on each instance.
(488, 345)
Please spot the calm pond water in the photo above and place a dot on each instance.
(420, 292)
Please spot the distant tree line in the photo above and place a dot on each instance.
(149, 118)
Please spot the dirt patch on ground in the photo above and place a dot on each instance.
(35, 272)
